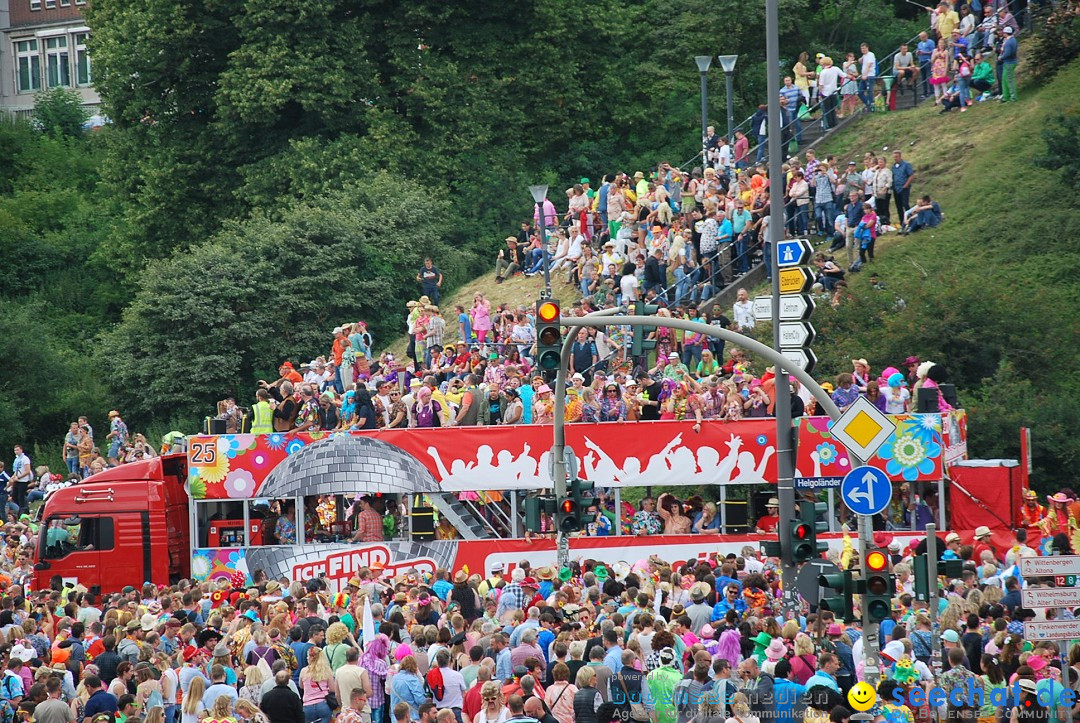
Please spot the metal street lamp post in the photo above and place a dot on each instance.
(727, 62)
(703, 63)
(539, 194)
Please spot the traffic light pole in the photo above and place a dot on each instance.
(785, 457)
(558, 445)
(932, 597)
(871, 630)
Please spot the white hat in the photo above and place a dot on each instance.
(982, 531)
(337, 330)
(23, 653)
(952, 537)
(577, 376)
(1009, 30)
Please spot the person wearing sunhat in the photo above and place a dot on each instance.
(983, 542)
(1031, 512)
(768, 523)
(1058, 520)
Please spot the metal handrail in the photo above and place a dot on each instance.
(477, 511)
(884, 62)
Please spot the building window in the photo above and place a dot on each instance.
(82, 60)
(35, 4)
(50, 4)
(57, 64)
(80, 2)
(28, 64)
(65, 3)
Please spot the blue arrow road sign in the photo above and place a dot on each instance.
(793, 252)
(866, 490)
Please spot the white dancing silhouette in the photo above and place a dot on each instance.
(508, 473)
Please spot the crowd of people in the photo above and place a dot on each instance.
(704, 640)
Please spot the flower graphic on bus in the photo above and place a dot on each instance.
(826, 452)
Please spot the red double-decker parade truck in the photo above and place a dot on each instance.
(286, 503)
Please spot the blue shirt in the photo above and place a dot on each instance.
(822, 678)
(300, 651)
(544, 640)
(721, 608)
(613, 658)
(787, 694)
(408, 688)
(463, 318)
(739, 219)
(442, 588)
(724, 234)
(601, 205)
(526, 393)
(793, 95)
(1008, 51)
(901, 172)
(504, 669)
(925, 50)
(100, 702)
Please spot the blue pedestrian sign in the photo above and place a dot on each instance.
(794, 252)
(866, 490)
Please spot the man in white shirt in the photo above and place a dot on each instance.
(453, 684)
(867, 77)
(724, 156)
(828, 83)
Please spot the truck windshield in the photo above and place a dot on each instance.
(63, 536)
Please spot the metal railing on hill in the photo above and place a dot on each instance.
(809, 131)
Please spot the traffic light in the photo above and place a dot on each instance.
(640, 343)
(573, 509)
(814, 516)
(925, 585)
(841, 605)
(878, 587)
(801, 535)
(569, 520)
(548, 335)
(534, 506)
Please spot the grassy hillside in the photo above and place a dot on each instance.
(993, 293)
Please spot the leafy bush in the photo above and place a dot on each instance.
(1057, 41)
(60, 112)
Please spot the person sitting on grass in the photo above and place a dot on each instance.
(924, 214)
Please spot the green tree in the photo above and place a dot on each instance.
(60, 112)
(268, 289)
(1062, 138)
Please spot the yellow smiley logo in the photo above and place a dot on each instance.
(862, 697)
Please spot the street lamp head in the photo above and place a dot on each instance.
(727, 62)
(539, 192)
(703, 62)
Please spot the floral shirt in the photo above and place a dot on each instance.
(285, 531)
(309, 414)
(647, 523)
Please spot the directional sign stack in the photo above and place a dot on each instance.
(1064, 569)
(796, 304)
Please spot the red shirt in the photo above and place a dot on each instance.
(472, 703)
(370, 526)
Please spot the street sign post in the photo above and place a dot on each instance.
(804, 359)
(1050, 597)
(862, 428)
(1052, 630)
(797, 280)
(793, 307)
(796, 333)
(794, 252)
(1050, 566)
(866, 490)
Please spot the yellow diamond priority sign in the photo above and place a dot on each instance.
(863, 428)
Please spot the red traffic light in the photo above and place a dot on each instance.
(548, 311)
(802, 531)
(876, 561)
(569, 507)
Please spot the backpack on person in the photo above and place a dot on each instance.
(435, 683)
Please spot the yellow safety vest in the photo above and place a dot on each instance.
(264, 417)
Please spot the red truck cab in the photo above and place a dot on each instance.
(124, 526)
